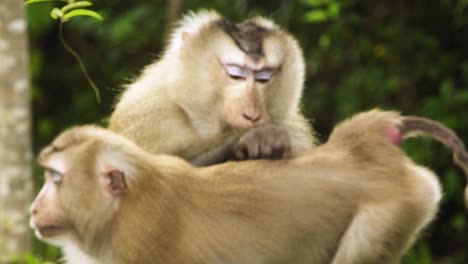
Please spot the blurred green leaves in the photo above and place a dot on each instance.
(322, 10)
(70, 10)
(29, 259)
(41, 1)
(81, 12)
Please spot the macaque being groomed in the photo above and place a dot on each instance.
(355, 199)
(215, 80)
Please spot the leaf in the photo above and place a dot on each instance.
(81, 12)
(74, 5)
(316, 16)
(324, 41)
(39, 1)
(334, 10)
(56, 13)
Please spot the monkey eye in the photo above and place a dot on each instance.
(264, 76)
(236, 72)
(53, 175)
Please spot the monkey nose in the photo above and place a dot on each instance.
(252, 117)
(33, 209)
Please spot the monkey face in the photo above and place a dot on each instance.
(247, 82)
(242, 75)
(244, 104)
(65, 208)
(48, 218)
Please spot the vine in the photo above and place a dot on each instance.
(72, 9)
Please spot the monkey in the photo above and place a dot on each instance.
(355, 199)
(214, 81)
(412, 126)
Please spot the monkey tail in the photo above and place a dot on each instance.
(415, 126)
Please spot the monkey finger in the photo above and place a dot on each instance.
(266, 144)
(266, 151)
(281, 146)
(239, 154)
(277, 153)
(287, 153)
(253, 150)
(281, 150)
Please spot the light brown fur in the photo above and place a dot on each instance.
(355, 199)
(185, 104)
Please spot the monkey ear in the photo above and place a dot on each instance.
(114, 181)
(114, 168)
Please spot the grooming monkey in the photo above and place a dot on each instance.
(355, 199)
(214, 81)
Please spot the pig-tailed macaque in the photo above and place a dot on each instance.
(355, 199)
(215, 80)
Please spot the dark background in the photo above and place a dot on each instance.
(410, 56)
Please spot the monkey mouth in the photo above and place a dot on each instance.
(50, 230)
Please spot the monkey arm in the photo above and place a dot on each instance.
(218, 154)
(264, 142)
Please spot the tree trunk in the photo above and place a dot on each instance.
(15, 132)
(173, 10)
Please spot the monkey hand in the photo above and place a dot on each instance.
(263, 142)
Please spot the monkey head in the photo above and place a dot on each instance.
(78, 183)
(251, 73)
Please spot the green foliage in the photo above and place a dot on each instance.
(40, 1)
(322, 10)
(81, 12)
(378, 54)
(73, 9)
(29, 259)
(409, 56)
(74, 5)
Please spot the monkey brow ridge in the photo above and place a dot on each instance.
(65, 140)
(49, 150)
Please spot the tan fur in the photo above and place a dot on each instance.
(184, 104)
(355, 199)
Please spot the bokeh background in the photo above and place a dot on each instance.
(410, 56)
